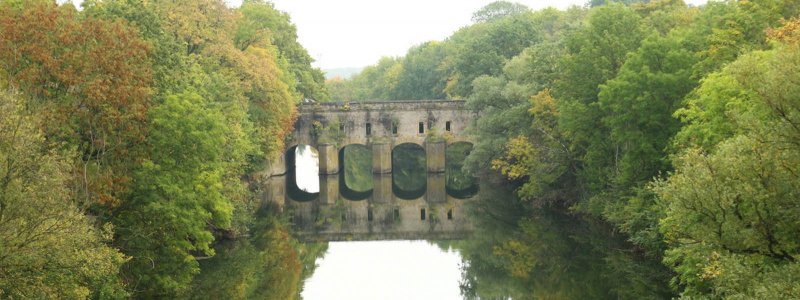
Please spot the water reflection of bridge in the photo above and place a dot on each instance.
(380, 214)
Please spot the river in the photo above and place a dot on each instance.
(415, 235)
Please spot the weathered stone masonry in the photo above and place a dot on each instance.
(381, 125)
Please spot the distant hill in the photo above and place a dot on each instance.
(345, 73)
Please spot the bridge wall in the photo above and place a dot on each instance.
(382, 216)
(381, 125)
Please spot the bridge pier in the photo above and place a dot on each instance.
(328, 159)
(328, 189)
(434, 152)
(436, 192)
(382, 188)
(381, 158)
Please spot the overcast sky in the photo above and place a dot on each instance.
(356, 33)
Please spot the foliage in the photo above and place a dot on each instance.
(262, 24)
(457, 181)
(268, 265)
(497, 10)
(410, 170)
(89, 80)
(171, 116)
(731, 206)
(447, 69)
(357, 168)
(522, 253)
(179, 194)
(48, 247)
(582, 109)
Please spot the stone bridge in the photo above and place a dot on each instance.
(381, 216)
(381, 125)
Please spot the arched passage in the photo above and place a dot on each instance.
(409, 171)
(355, 165)
(459, 184)
(302, 166)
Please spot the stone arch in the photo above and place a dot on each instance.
(355, 172)
(309, 189)
(458, 184)
(409, 171)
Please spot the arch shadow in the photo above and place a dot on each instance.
(355, 172)
(458, 184)
(409, 171)
(293, 190)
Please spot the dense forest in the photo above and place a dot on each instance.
(134, 133)
(132, 136)
(676, 125)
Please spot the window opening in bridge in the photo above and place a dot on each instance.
(341, 127)
(396, 213)
(422, 214)
(421, 127)
(369, 214)
(447, 126)
(394, 129)
(369, 129)
(449, 214)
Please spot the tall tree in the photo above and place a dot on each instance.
(595, 54)
(497, 10)
(262, 24)
(48, 247)
(730, 207)
(90, 80)
(179, 193)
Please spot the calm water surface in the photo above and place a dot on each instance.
(414, 235)
(385, 270)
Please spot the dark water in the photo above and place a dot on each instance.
(415, 235)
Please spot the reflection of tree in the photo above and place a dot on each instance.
(357, 163)
(458, 181)
(409, 172)
(269, 265)
(545, 254)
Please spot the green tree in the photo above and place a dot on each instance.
(497, 10)
(48, 247)
(179, 194)
(421, 77)
(730, 207)
(262, 24)
(483, 49)
(595, 53)
(638, 106)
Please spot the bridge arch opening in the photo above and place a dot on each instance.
(302, 165)
(355, 172)
(458, 184)
(409, 171)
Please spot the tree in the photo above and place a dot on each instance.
(639, 103)
(730, 207)
(179, 194)
(48, 247)
(483, 49)
(497, 10)
(421, 77)
(261, 24)
(595, 53)
(90, 80)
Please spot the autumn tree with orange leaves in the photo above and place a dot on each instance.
(90, 81)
